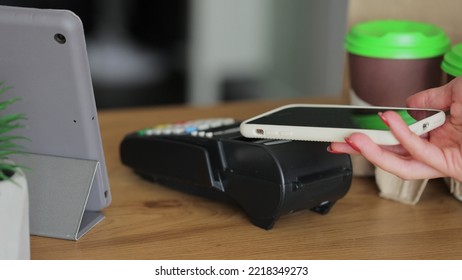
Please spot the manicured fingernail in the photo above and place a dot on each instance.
(383, 118)
(353, 145)
(330, 150)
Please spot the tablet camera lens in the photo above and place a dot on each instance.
(60, 38)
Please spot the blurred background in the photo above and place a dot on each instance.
(200, 52)
(206, 51)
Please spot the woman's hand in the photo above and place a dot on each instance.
(438, 154)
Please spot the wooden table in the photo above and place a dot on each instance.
(149, 221)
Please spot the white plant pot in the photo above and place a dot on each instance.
(14, 218)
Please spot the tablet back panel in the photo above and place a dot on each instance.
(43, 57)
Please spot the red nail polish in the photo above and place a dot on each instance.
(353, 145)
(383, 118)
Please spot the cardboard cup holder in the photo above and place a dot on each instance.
(394, 188)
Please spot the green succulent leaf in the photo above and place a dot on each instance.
(8, 143)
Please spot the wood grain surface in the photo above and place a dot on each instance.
(149, 221)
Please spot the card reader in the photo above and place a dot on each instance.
(267, 178)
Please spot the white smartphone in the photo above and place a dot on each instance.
(332, 123)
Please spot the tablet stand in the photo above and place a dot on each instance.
(59, 189)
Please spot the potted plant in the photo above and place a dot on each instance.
(14, 198)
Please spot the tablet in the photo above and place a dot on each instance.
(43, 58)
(333, 123)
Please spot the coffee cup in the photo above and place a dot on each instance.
(452, 62)
(389, 60)
(452, 66)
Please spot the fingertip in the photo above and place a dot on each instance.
(352, 144)
(332, 150)
(383, 118)
(363, 144)
(340, 148)
(390, 114)
(359, 138)
(394, 120)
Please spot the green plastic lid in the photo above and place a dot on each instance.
(452, 62)
(397, 39)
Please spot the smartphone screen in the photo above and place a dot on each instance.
(338, 117)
